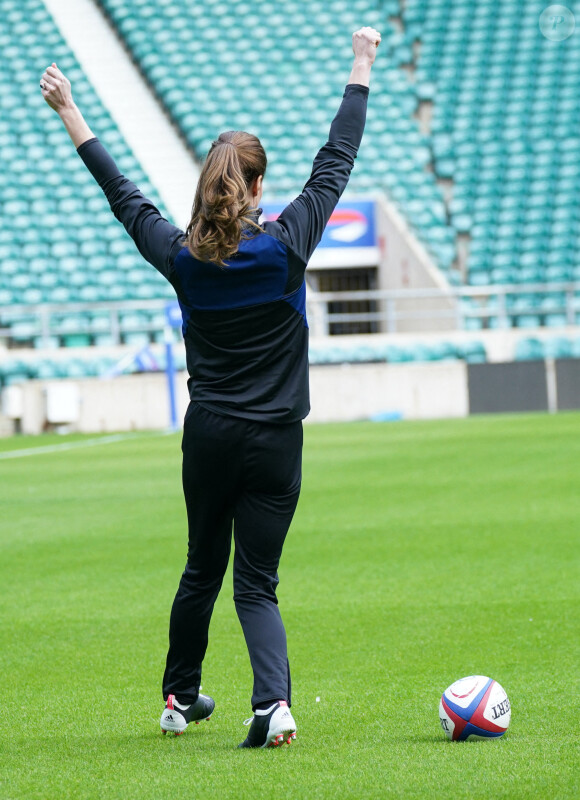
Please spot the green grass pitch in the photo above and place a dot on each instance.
(421, 552)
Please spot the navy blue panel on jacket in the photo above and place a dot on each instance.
(257, 274)
(246, 341)
(245, 329)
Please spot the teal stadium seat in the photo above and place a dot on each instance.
(14, 371)
(529, 350)
(559, 347)
(48, 370)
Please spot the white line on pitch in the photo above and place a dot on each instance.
(56, 448)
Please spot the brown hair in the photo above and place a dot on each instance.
(220, 210)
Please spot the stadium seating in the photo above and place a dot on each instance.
(534, 349)
(506, 134)
(278, 69)
(16, 370)
(503, 134)
(501, 131)
(379, 351)
(58, 243)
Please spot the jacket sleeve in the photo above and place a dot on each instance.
(303, 222)
(157, 240)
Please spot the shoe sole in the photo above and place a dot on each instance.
(282, 728)
(280, 739)
(179, 732)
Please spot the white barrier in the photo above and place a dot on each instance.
(338, 393)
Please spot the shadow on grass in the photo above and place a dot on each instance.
(442, 740)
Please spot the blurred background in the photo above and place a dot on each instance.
(448, 280)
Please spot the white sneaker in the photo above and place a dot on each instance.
(271, 727)
(176, 717)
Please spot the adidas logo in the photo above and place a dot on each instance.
(169, 717)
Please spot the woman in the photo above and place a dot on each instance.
(242, 294)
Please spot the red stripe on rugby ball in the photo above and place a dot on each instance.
(456, 719)
(479, 720)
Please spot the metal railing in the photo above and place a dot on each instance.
(44, 322)
(389, 311)
(500, 306)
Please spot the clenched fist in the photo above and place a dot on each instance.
(56, 88)
(364, 44)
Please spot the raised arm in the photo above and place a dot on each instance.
(157, 240)
(304, 220)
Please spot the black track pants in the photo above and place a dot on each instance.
(246, 475)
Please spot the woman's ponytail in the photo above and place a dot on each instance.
(220, 213)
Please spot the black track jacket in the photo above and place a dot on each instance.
(245, 328)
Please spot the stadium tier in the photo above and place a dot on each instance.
(468, 133)
(58, 243)
(278, 69)
(502, 130)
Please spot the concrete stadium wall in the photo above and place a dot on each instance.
(362, 391)
(406, 264)
(125, 403)
(140, 402)
(339, 393)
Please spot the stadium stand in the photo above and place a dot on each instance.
(537, 349)
(468, 134)
(501, 132)
(278, 69)
(57, 242)
(473, 352)
(506, 133)
(17, 370)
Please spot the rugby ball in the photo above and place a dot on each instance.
(475, 707)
